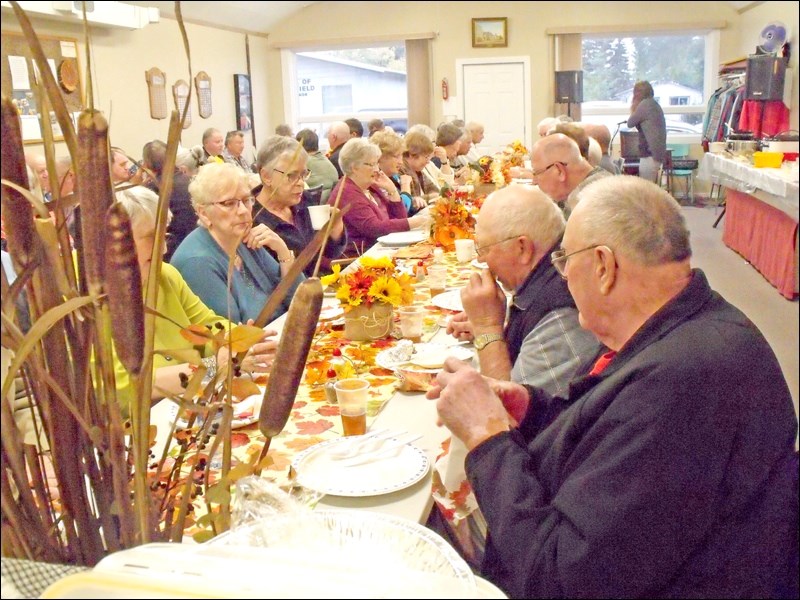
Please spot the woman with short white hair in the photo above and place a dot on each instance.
(180, 308)
(223, 202)
(375, 206)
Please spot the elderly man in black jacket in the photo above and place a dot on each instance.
(668, 469)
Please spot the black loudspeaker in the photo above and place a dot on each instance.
(765, 75)
(569, 86)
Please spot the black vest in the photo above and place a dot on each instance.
(541, 293)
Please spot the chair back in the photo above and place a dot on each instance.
(629, 145)
(679, 150)
(313, 196)
(679, 159)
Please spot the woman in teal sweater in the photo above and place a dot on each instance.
(223, 202)
(179, 305)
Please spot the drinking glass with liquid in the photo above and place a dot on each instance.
(352, 395)
(437, 279)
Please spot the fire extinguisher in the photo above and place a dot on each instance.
(445, 89)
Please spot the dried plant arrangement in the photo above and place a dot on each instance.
(86, 482)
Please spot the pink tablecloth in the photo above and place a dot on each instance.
(765, 236)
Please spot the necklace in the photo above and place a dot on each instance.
(238, 264)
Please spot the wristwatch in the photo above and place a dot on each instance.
(485, 339)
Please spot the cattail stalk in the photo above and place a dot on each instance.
(124, 285)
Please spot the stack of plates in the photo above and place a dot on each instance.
(403, 238)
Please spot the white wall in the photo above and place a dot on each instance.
(121, 57)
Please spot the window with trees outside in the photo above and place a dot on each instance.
(676, 65)
(365, 83)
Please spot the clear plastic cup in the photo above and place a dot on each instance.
(411, 319)
(352, 395)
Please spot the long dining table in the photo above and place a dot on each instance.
(314, 419)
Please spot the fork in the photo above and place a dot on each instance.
(354, 447)
(389, 450)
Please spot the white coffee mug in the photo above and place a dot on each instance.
(319, 215)
(465, 250)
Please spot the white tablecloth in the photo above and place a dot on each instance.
(780, 184)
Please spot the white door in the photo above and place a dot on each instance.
(496, 94)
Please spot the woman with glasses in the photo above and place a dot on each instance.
(375, 205)
(222, 200)
(282, 202)
(391, 163)
(180, 308)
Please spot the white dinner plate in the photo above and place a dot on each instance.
(403, 238)
(331, 312)
(450, 300)
(392, 359)
(478, 264)
(245, 413)
(318, 470)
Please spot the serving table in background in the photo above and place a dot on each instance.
(761, 218)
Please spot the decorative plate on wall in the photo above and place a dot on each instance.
(68, 75)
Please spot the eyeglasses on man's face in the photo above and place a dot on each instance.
(294, 176)
(481, 251)
(559, 258)
(540, 172)
(233, 203)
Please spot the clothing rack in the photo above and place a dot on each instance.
(733, 79)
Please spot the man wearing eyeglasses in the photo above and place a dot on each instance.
(560, 171)
(669, 468)
(542, 342)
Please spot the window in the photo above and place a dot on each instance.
(337, 98)
(334, 85)
(676, 64)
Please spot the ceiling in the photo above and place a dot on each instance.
(258, 17)
(253, 17)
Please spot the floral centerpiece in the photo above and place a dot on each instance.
(452, 220)
(517, 154)
(496, 169)
(368, 295)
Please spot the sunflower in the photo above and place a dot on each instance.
(377, 263)
(375, 281)
(346, 296)
(327, 280)
(386, 290)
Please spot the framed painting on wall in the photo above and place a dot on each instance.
(244, 102)
(490, 33)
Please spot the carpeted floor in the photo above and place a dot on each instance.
(744, 287)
